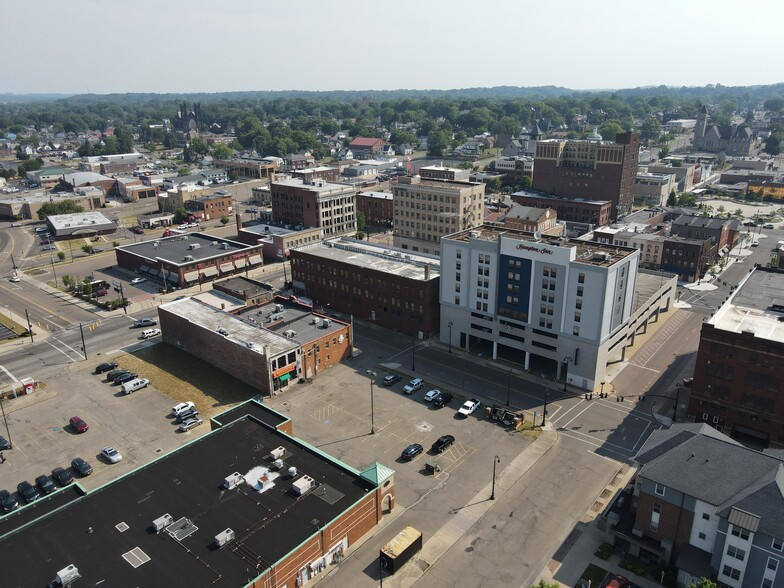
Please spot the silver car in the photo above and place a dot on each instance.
(190, 423)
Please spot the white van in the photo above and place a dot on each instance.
(134, 385)
(149, 333)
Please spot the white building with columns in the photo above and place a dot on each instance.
(558, 307)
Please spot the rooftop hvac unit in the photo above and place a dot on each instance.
(290, 333)
(162, 522)
(317, 321)
(278, 464)
(302, 485)
(327, 323)
(276, 316)
(224, 246)
(224, 537)
(277, 453)
(601, 256)
(233, 480)
(193, 246)
(278, 308)
(188, 258)
(292, 472)
(67, 575)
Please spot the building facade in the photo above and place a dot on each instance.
(426, 210)
(210, 207)
(330, 207)
(587, 212)
(688, 258)
(730, 139)
(591, 170)
(652, 190)
(377, 207)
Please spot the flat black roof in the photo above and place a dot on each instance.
(174, 249)
(106, 532)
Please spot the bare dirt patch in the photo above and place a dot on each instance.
(184, 378)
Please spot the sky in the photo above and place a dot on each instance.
(173, 46)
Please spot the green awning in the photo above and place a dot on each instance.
(285, 377)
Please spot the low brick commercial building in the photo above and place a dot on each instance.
(209, 207)
(377, 207)
(590, 212)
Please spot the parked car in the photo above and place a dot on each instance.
(138, 230)
(127, 377)
(42, 230)
(46, 241)
(5, 444)
(27, 491)
(749, 224)
(442, 443)
(430, 395)
(145, 322)
(101, 292)
(138, 280)
(78, 424)
(81, 467)
(188, 414)
(132, 386)
(182, 407)
(150, 333)
(411, 452)
(392, 379)
(190, 423)
(618, 581)
(115, 373)
(442, 399)
(413, 386)
(14, 279)
(111, 454)
(16, 225)
(105, 367)
(193, 225)
(45, 484)
(755, 243)
(8, 501)
(469, 406)
(62, 476)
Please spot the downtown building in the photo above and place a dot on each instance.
(425, 210)
(558, 307)
(589, 169)
(303, 203)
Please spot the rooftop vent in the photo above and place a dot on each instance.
(224, 537)
(277, 453)
(233, 480)
(302, 485)
(67, 575)
(162, 522)
(193, 246)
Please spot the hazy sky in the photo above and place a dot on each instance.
(106, 46)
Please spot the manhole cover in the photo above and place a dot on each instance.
(425, 427)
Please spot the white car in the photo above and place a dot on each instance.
(755, 243)
(190, 423)
(469, 406)
(138, 280)
(193, 225)
(431, 394)
(15, 279)
(181, 407)
(149, 333)
(111, 454)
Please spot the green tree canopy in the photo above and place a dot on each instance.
(650, 129)
(221, 151)
(609, 129)
(62, 207)
(437, 142)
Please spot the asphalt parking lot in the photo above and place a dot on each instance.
(334, 414)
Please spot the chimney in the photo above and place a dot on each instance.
(427, 271)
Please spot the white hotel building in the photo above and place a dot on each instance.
(558, 307)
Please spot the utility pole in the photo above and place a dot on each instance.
(29, 326)
(84, 347)
(5, 420)
(122, 297)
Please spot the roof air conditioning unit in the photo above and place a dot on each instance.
(224, 537)
(224, 245)
(292, 472)
(188, 258)
(278, 308)
(162, 522)
(302, 485)
(278, 464)
(233, 480)
(327, 323)
(67, 575)
(277, 453)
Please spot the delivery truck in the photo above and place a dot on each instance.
(400, 549)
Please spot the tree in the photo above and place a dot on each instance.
(180, 215)
(63, 207)
(361, 221)
(87, 287)
(494, 185)
(672, 199)
(61, 255)
(664, 151)
(702, 583)
(87, 248)
(183, 171)
(650, 129)
(360, 235)
(221, 151)
(543, 584)
(437, 142)
(688, 200)
(774, 104)
(224, 220)
(609, 129)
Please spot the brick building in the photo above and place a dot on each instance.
(367, 147)
(245, 519)
(738, 382)
(397, 291)
(688, 258)
(311, 174)
(589, 169)
(377, 207)
(252, 292)
(703, 227)
(330, 207)
(590, 212)
(277, 241)
(248, 167)
(209, 207)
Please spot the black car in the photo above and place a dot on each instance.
(82, 467)
(45, 484)
(411, 452)
(442, 443)
(104, 367)
(63, 476)
(4, 444)
(442, 399)
(392, 379)
(27, 491)
(127, 377)
(188, 414)
(8, 501)
(114, 373)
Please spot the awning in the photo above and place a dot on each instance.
(173, 278)
(285, 377)
(227, 267)
(255, 259)
(191, 276)
(209, 271)
(240, 262)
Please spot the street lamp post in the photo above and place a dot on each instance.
(567, 361)
(496, 460)
(5, 420)
(450, 336)
(544, 409)
(601, 393)
(371, 374)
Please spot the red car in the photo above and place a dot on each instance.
(138, 230)
(618, 582)
(78, 424)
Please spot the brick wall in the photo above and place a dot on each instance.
(674, 522)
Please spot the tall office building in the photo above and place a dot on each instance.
(316, 203)
(589, 169)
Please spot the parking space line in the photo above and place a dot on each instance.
(600, 441)
(597, 445)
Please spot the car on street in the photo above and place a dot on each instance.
(430, 395)
(42, 230)
(442, 443)
(78, 424)
(145, 322)
(105, 367)
(618, 581)
(188, 414)
(469, 406)
(8, 501)
(14, 279)
(749, 224)
(16, 224)
(27, 491)
(138, 230)
(178, 409)
(111, 454)
(190, 423)
(392, 379)
(442, 399)
(411, 452)
(755, 243)
(62, 476)
(127, 377)
(5, 444)
(138, 280)
(149, 333)
(413, 386)
(765, 226)
(193, 225)
(45, 484)
(81, 467)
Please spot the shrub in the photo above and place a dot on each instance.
(604, 551)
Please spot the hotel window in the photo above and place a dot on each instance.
(740, 532)
(578, 304)
(579, 290)
(576, 331)
(457, 299)
(459, 253)
(580, 278)
(773, 564)
(777, 544)
(731, 572)
(736, 552)
(577, 317)
(655, 514)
